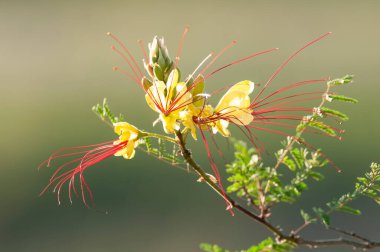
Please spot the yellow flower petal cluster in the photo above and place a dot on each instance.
(168, 99)
(233, 107)
(176, 103)
(127, 133)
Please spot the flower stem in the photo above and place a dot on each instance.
(154, 135)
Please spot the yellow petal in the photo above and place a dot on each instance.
(126, 131)
(240, 116)
(156, 95)
(221, 127)
(170, 122)
(234, 104)
(236, 96)
(182, 98)
(187, 121)
(172, 83)
(130, 150)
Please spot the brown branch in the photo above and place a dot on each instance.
(362, 242)
(337, 242)
(352, 234)
(250, 199)
(187, 156)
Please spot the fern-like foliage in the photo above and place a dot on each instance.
(262, 185)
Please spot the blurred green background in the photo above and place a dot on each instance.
(56, 62)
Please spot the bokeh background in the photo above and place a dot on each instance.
(56, 62)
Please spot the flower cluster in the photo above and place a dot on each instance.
(182, 106)
(184, 102)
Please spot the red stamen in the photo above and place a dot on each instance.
(302, 83)
(216, 172)
(180, 46)
(126, 60)
(90, 158)
(300, 141)
(294, 127)
(141, 44)
(127, 51)
(218, 55)
(240, 60)
(287, 61)
(288, 97)
(115, 68)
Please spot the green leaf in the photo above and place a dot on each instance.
(104, 112)
(158, 73)
(376, 199)
(322, 215)
(296, 154)
(306, 217)
(333, 112)
(323, 127)
(268, 245)
(211, 248)
(342, 98)
(344, 80)
(146, 83)
(316, 176)
(289, 163)
(349, 210)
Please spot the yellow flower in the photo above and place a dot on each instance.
(129, 134)
(187, 117)
(168, 99)
(233, 107)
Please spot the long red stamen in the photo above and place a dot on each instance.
(117, 69)
(278, 117)
(288, 97)
(287, 61)
(216, 171)
(240, 60)
(128, 53)
(171, 108)
(180, 46)
(294, 127)
(269, 110)
(218, 55)
(125, 58)
(294, 85)
(300, 141)
(176, 64)
(141, 44)
(89, 158)
(253, 139)
(177, 97)
(53, 156)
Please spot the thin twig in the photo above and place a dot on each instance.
(351, 234)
